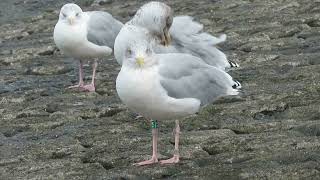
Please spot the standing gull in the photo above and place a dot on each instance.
(168, 86)
(180, 34)
(85, 36)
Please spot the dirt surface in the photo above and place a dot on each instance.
(270, 132)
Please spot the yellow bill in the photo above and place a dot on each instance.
(71, 20)
(140, 61)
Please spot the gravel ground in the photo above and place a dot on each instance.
(270, 132)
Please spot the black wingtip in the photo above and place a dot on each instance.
(236, 85)
(233, 64)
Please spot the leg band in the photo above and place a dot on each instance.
(154, 124)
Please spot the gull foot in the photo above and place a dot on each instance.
(153, 160)
(89, 88)
(173, 160)
(79, 86)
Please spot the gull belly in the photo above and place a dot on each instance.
(141, 91)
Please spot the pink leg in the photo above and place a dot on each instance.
(81, 84)
(91, 87)
(154, 158)
(175, 158)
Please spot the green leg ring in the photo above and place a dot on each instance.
(154, 124)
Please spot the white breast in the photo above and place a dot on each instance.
(67, 36)
(72, 41)
(142, 92)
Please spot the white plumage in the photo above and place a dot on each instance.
(154, 21)
(85, 36)
(168, 86)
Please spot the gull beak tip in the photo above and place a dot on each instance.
(71, 20)
(140, 61)
(166, 38)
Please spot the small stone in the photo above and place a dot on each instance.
(48, 70)
(310, 129)
(32, 113)
(131, 13)
(30, 1)
(102, 2)
(106, 164)
(110, 111)
(5, 162)
(6, 52)
(47, 52)
(51, 108)
(60, 153)
(289, 5)
(22, 35)
(314, 23)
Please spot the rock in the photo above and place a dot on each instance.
(60, 153)
(216, 146)
(31, 113)
(48, 70)
(48, 52)
(14, 130)
(30, 1)
(6, 52)
(109, 111)
(9, 162)
(102, 2)
(309, 129)
(271, 110)
(22, 35)
(106, 165)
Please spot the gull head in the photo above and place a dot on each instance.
(157, 17)
(139, 55)
(71, 14)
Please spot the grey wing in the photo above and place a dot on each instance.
(102, 28)
(185, 76)
(193, 40)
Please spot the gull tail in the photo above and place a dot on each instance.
(236, 85)
(233, 64)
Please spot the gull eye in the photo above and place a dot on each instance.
(169, 21)
(78, 14)
(64, 15)
(148, 50)
(129, 52)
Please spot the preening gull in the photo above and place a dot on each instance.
(85, 36)
(180, 34)
(168, 86)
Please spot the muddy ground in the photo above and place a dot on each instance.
(270, 132)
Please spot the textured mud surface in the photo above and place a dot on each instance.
(271, 132)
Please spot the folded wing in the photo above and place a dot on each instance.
(188, 37)
(102, 28)
(185, 76)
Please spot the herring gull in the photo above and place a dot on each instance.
(180, 34)
(168, 86)
(85, 36)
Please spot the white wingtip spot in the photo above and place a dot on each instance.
(223, 37)
(237, 85)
